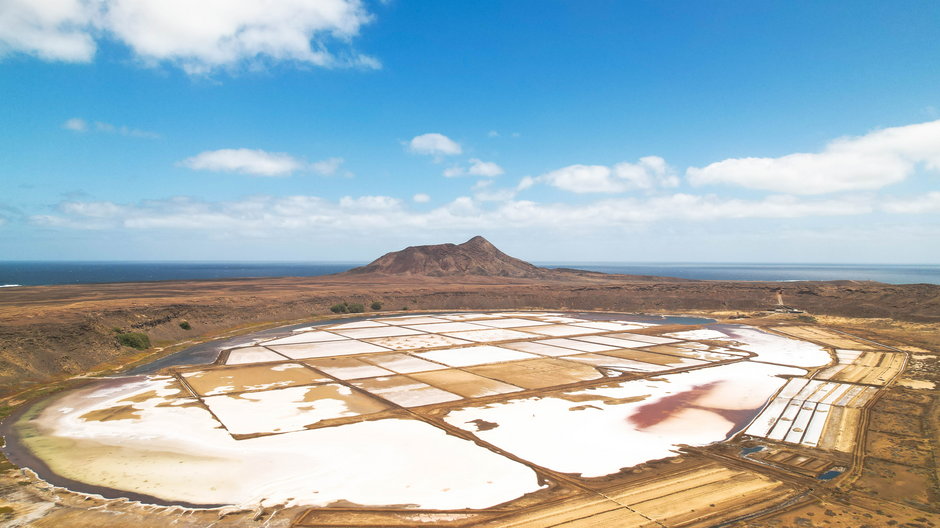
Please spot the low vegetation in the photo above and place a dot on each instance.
(376, 305)
(185, 325)
(348, 307)
(134, 340)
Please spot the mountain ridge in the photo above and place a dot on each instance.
(476, 256)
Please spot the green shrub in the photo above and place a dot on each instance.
(404, 308)
(339, 308)
(806, 318)
(185, 325)
(356, 307)
(134, 340)
(376, 305)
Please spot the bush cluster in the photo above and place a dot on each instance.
(134, 340)
(185, 325)
(348, 307)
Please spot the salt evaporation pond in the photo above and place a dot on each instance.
(313, 415)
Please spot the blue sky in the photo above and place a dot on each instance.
(561, 131)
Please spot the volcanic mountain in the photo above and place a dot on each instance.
(476, 256)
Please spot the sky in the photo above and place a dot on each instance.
(562, 131)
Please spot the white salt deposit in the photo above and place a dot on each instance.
(447, 327)
(477, 355)
(305, 337)
(704, 333)
(178, 453)
(496, 334)
(330, 348)
(511, 322)
(276, 411)
(580, 346)
(242, 356)
(558, 330)
(591, 441)
(403, 363)
(773, 348)
(384, 331)
(414, 342)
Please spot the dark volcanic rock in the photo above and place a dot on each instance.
(474, 257)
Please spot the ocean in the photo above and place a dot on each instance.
(22, 273)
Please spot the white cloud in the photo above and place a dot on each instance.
(270, 216)
(245, 161)
(477, 167)
(484, 168)
(434, 144)
(871, 161)
(648, 173)
(492, 134)
(199, 36)
(75, 124)
(927, 203)
(453, 172)
(327, 167)
(421, 198)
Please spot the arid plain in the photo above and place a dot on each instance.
(492, 400)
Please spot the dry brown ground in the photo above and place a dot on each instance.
(51, 333)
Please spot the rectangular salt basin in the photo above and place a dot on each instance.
(403, 363)
(793, 387)
(496, 334)
(800, 422)
(704, 333)
(538, 373)
(476, 355)
(653, 340)
(538, 348)
(782, 427)
(241, 356)
(405, 391)
(347, 368)
(561, 319)
(465, 384)
(290, 409)
(384, 331)
(511, 322)
(608, 326)
(580, 346)
(356, 324)
(409, 320)
(816, 425)
(768, 417)
(223, 380)
(415, 342)
(467, 316)
(666, 360)
(447, 326)
(612, 341)
(329, 348)
(618, 342)
(306, 337)
(599, 360)
(557, 330)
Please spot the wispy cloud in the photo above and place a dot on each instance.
(79, 125)
(648, 173)
(378, 214)
(872, 161)
(177, 32)
(477, 167)
(259, 163)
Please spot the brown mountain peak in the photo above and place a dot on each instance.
(476, 256)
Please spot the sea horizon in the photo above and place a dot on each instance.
(14, 273)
